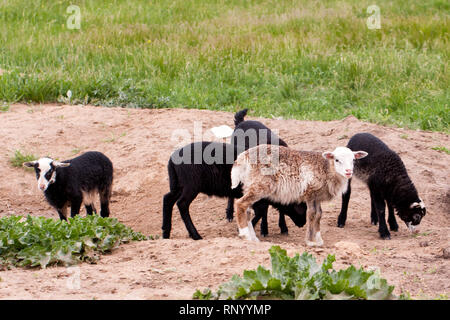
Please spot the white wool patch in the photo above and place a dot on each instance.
(239, 172)
(235, 176)
(248, 233)
(343, 160)
(252, 232)
(222, 131)
(44, 166)
(319, 240)
(422, 205)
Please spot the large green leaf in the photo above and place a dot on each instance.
(301, 277)
(38, 241)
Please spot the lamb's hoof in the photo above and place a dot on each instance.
(248, 233)
(341, 225)
(196, 237)
(255, 239)
(284, 233)
(386, 237)
(311, 243)
(374, 223)
(263, 235)
(394, 229)
(230, 219)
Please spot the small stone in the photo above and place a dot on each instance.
(350, 248)
(424, 243)
(446, 253)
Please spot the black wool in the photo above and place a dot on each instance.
(92, 172)
(200, 167)
(385, 174)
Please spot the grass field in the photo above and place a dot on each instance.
(313, 60)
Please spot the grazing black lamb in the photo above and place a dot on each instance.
(385, 174)
(248, 134)
(202, 167)
(76, 181)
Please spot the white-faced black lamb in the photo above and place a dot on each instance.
(201, 167)
(288, 176)
(248, 134)
(385, 174)
(76, 181)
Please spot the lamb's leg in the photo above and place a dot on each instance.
(318, 237)
(380, 207)
(391, 218)
(344, 208)
(75, 205)
(183, 206)
(90, 209)
(261, 207)
(373, 212)
(245, 227)
(168, 203)
(282, 224)
(311, 217)
(314, 213)
(62, 212)
(257, 216)
(105, 196)
(230, 209)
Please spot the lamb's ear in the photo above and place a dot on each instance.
(417, 205)
(360, 154)
(29, 164)
(414, 205)
(60, 164)
(328, 155)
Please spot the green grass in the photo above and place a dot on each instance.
(19, 158)
(296, 59)
(441, 148)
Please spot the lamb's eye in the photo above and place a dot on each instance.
(336, 160)
(48, 175)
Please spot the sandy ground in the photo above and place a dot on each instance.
(139, 142)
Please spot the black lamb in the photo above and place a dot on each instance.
(76, 181)
(201, 167)
(385, 174)
(248, 134)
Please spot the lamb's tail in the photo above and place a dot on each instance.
(235, 176)
(173, 177)
(239, 116)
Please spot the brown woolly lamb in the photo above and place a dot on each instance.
(288, 176)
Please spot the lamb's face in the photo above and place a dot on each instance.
(343, 159)
(413, 214)
(45, 169)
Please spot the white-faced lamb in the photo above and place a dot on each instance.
(74, 182)
(288, 176)
(202, 167)
(248, 134)
(385, 174)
